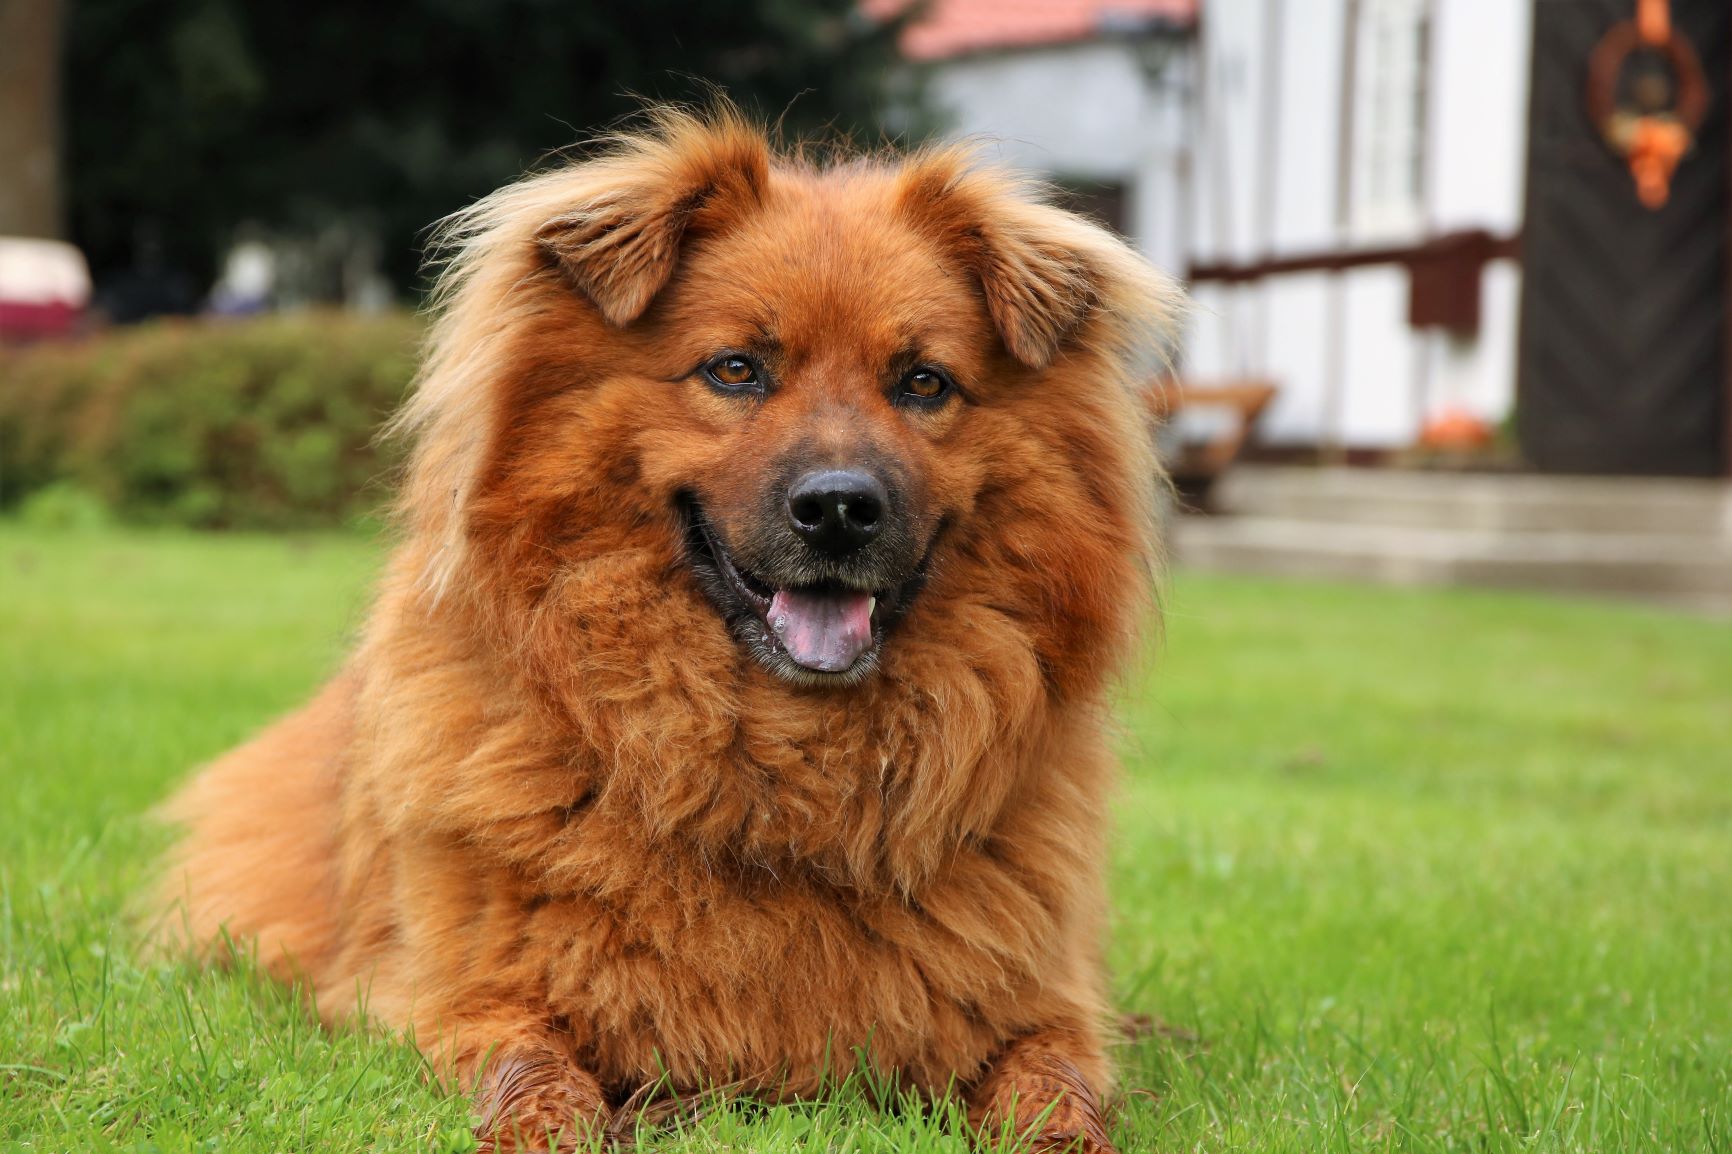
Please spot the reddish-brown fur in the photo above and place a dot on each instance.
(554, 819)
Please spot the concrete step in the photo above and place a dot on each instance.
(1484, 502)
(1677, 569)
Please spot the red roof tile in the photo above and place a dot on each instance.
(956, 27)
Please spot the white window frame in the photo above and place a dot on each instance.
(1391, 111)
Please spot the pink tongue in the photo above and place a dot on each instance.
(824, 631)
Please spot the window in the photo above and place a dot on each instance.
(1390, 108)
(1102, 201)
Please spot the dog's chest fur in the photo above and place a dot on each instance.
(720, 903)
(721, 977)
(719, 972)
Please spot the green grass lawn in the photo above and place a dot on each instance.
(1397, 871)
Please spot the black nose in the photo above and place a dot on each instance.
(837, 511)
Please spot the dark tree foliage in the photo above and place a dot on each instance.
(189, 118)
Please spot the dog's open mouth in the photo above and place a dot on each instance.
(825, 631)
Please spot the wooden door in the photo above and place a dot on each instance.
(1624, 358)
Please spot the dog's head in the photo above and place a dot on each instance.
(833, 399)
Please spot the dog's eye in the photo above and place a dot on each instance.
(732, 372)
(924, 384)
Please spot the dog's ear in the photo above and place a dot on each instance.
(1039, 290)
(620, 245)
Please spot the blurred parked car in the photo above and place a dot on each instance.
(44, 288)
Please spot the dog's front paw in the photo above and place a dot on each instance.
(1073, 1127)
(537, 1101)
(1046, 1115)
(1038, 1101)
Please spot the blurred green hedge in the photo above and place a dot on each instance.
(261, 423)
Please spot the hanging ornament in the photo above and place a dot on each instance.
(1650, 121)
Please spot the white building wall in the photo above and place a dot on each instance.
(1247, 166)
(1309, 110)
(1298, 356)
(1479, 58)
(1099, 111)
(1231, 82)
(1265, 183)
(1161, 204)
(1350, 369)
(1377, 405)
(1478, 169)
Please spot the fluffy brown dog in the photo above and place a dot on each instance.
(733, 704)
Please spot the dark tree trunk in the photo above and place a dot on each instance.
(30, 118)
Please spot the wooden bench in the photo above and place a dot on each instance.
(1201, 428)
